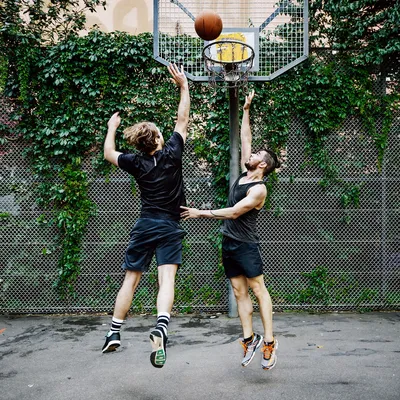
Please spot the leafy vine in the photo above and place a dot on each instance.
(67, 89)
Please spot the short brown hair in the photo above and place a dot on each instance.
(142, 136)
(272, 161)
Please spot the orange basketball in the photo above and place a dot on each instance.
(208, 25)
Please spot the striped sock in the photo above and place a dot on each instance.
(116, 324)
(162, 322)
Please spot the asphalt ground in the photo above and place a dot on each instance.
(320, 356)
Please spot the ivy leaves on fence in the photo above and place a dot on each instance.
(66, 91)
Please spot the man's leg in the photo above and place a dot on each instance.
(122, 305)
(245, 307)
(165, 301)
(270, 345)
(257, 285)
(124, 298)
(251, 342)
(166, 292)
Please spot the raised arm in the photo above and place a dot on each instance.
(254, 199)
(179, 77)
(245, 132)
(110, 154)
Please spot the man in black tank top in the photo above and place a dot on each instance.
(158, 172)
(240, 246)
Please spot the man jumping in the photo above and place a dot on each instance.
(158, 173)
(240, 246)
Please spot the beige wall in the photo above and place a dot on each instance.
(132, 16)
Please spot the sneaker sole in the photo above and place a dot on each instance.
(276, 358)
(112, 346)
(254, 353)
(159, 356)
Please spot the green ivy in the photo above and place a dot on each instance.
(65, 87)
(73, 208)
(318, 287)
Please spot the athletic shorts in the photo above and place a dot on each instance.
(153, 236)
(241, 258)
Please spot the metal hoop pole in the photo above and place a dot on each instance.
(234, 165)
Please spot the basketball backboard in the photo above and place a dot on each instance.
(276, 30)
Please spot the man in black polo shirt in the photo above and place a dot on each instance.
(158, 173)
(240, 246)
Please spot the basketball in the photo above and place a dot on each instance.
(208, 25)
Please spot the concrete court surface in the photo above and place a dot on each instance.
(320, 356)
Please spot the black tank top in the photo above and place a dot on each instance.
(244, 227)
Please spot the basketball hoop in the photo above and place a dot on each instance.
(228, 60)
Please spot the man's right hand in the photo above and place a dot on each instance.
(249, 99)
(114, 121)
(178, 75)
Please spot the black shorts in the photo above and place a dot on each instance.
(241, 258)
(153, 236)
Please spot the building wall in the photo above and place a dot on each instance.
(132, 16)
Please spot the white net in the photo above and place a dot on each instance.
(229, 60)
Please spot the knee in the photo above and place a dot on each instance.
(132, 278)
(259, 290)
(240, 294)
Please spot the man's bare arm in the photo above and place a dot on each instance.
(179, 78)
(110, 154)
(255, 198)
(245, 131)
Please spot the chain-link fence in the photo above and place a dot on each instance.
(317, 254)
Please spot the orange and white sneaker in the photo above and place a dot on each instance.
(269, 358)
(250, 349)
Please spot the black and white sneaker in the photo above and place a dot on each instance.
(113, 341)
(159, 346)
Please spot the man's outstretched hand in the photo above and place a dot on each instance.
(178, 75)
(249, 99)
(114, 121)
(189, 213)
